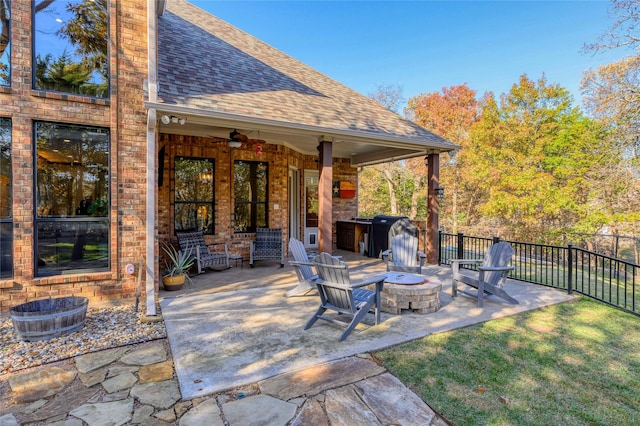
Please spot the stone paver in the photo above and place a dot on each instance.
(313, 380)
(123, 381)
(108, 413)
(31, 386)
(124, 386)
(206, 413)
(259, 410)
(149, 355)
(392, 402)
(159, 394)
(155, 372)
(93, 361)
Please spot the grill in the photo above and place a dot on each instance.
(380, 227)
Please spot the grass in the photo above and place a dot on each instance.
(569, 364)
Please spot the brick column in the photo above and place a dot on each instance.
(325, 198)
(433, 207)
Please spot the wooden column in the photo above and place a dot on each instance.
(433, 207)
(325, 197)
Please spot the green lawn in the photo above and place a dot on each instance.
(570, 364)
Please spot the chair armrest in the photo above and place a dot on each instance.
(299, 263)
(370, 280)
(496, 268)
(468, 261)
(421, 254)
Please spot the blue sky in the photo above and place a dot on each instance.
(423, 46)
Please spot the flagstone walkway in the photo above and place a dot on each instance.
(137, 385)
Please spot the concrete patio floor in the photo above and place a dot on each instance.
(235, 327)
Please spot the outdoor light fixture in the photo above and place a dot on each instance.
(235, 139)
(439, 192)
(166, 119)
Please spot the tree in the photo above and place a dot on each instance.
(625, 30)
(543, 164)
(449, 114)
(389, 96)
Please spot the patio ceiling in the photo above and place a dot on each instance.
(220, 78)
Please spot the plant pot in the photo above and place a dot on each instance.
(173, 283)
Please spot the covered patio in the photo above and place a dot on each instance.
(235, 327)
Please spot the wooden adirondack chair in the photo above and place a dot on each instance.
(268, 245)
(491, 275)
(205, 258)
(302, 265)
(338, 293)
(404, 256)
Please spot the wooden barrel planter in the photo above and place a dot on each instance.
(48, 318)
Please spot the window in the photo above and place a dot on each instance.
(194, 195)
(6, 222)
(70, 39)
(5, 43)
(72, 199)
(251, 185)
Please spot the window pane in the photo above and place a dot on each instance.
(5, 168)
(6, 224)
(6, 250)
(70, 41)
(72, 185)
(251, 183)
(193, 216)
(194, 199)
(73, 170)
(194, 180)
(72, 246)
(5, 49)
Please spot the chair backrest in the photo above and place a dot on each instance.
(269, 237)
(404, 250)
(335, 287)
(498, 254)
(191, 240)
(297, 250)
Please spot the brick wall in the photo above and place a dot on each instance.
(280, 159)
(123, 113)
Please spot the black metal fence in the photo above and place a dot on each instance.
(604, 278)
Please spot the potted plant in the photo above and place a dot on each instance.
(179, 263)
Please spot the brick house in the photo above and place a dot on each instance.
(187, 123)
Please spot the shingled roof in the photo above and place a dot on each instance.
(206, 64)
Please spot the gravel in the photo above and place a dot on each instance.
(104, 328)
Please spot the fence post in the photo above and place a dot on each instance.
(439, 247)
(496, 240)
(570, 269)
(460, 245)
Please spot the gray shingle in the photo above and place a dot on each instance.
(206, 63)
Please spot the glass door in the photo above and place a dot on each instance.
(311, 201)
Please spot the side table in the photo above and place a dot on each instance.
(236, 258)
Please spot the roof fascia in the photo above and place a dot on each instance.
(234, 120)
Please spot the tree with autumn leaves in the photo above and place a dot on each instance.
(531, 165)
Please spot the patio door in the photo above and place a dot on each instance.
(293, 190)
(311, 178)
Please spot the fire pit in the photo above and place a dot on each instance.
(48, 318)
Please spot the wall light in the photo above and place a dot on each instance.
(439, 192)
(166, 119)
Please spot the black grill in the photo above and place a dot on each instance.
(380, 227)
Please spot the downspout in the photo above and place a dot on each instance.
(152, 93)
